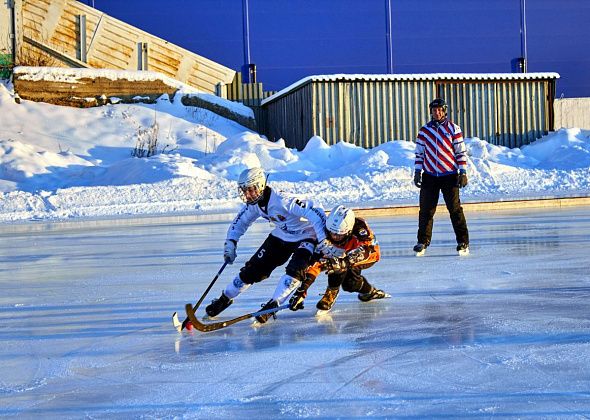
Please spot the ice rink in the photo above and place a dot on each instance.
(85, 325)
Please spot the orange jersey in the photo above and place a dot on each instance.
(361, 235)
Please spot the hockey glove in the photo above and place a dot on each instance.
(336, 265)
(229, 251)
(418, 178)
(328, 250)
(462, 178)
(296, 301)
(355, 255)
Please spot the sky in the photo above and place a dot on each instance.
(290, 40)
(66, 163)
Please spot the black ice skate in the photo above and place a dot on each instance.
(420, 249)
(268, 305)
(327, 301)
(218, 305)
(463, 249)
(373, 294)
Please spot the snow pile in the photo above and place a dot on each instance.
(59, 162)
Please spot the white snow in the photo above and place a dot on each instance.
(72, 75)
(59, 163)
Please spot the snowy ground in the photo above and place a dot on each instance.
(85, 329)
(64, 163)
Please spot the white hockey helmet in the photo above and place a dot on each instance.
(251, 184)
(339, 223)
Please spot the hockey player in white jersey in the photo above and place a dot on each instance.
(299, 227)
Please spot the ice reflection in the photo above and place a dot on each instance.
(85, 325)
(452, 323)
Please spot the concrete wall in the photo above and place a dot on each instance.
(572, 112)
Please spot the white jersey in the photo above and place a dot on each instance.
(294, 218)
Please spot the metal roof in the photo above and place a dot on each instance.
(412, 77)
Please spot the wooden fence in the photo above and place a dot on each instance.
(67, 33)
(250, 94)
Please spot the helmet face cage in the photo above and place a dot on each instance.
(251, 185)
(339, 223)
(438, 103)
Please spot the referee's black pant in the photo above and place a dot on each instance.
(429, 193)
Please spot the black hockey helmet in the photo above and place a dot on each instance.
(438, 103)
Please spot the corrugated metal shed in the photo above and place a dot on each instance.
(509, 109)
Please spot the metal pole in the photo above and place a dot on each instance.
(12, 7)
(523, 48)
(82, 35)
(246, 40)
(388, 35)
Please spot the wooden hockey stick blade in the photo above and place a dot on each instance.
(213, 326)
(186, 320)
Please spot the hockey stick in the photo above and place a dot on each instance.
(176, 322)
(213, 326)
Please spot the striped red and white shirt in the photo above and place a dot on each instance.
(440, 148)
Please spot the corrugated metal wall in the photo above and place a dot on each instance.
(371, 112)
(506, 113)
(291, 118)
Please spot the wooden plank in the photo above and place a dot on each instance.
(55, 53)
(113, 43)
(115, 54)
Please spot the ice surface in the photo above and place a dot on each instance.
(85, 325)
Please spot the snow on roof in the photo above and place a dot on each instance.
(418, 76)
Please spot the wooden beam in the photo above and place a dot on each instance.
(71, 61)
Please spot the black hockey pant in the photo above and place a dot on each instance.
(275, 252)
(429, 194)
(351, 280)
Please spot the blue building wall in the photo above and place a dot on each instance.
(292, 39)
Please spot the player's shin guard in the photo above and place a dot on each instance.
(286, 286)
(236, 287)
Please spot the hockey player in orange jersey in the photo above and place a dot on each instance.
(360, 250)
